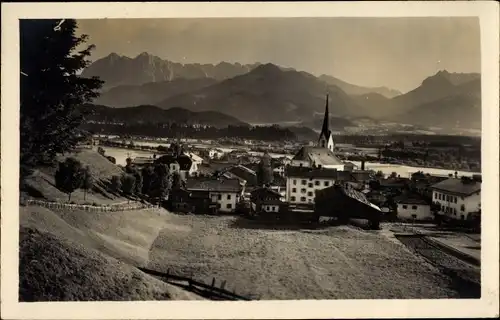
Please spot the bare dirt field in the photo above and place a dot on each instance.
(333, 263)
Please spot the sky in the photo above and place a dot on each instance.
(398, 53)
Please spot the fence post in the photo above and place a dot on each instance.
(213, 282)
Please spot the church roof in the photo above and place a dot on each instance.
(318, 155)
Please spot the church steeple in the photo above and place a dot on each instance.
(325, 137)
(325, 130)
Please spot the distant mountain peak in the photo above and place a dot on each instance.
(267, 68)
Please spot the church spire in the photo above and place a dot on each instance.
(325, 130)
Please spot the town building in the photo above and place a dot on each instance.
(413, 207)
(303, 182)
(457, 199)
(208, 195)
(349, 204)
(265, 200)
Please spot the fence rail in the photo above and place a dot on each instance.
(207, 290)
(91, 208)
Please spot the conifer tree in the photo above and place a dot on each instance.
(51, 55)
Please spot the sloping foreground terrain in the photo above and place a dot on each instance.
(333, 263)
(80, 255)
(54, 269)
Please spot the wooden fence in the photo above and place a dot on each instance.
(90, 208)
(209, 291)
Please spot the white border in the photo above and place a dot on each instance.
(486, 306)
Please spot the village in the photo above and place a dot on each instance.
(311, 185)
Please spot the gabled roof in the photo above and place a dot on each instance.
(318, 155)
(410, 199)
(265, 191)
(217, 185)
(307, 172)
(457, 186)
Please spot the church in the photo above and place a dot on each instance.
(322, 155)
(315, 168)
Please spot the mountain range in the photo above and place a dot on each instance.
(117, 70)
(266, 93)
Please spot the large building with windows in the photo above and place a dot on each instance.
(457, 199)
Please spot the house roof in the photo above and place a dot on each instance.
(306, 172)
(321, 173)
(410, 199)
(244, 173)
(262, 190)
(272, 202)
(320, 156)
(457, 186)
(218, 185)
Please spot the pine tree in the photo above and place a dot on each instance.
(51, 90)
(69, 176)
(116, 184)
(88, 181)
(128, 184)
(265, 174)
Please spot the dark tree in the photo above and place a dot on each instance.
(161, 182)
(88, 181)
(51, 90)
(128, 184)
(147, 179)
(69, 176)
(116, 184)
(177, 182)
(265, 171)
(138, 181)
(101, 151)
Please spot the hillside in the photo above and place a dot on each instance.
(117, 70)
(56, 269)
(461, 110)
(149, 93)
(352, 89)
(268, 94)
(155, 115)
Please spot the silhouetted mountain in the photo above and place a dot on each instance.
(149, 93)
(460, 110)
(439, 86)
(118, 70)
(268, 94)
(155, 115)
(352, 89)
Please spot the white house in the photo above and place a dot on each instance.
(457, 198)
(303, 182)
(226, 193)
(413, 208)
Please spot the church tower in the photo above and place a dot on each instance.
(325, 137)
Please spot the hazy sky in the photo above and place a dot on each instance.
(394, 52)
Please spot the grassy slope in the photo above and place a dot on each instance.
(43, 184)
(336, 263)
(54, 269)
(126, 235)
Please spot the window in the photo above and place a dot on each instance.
(302, 199)
(309, 194)
(294, 190)
(454, 211)
(435, 195)
(326, 183)
(294, 182)
(229, 205)
(292, 199)
(405, 206)
(218, 205)
(304, 182)
(303, 190)
(219, 196)
(414, 216)
(228, 197)
(439, 196)
(462, 208)
(455, 199)
(310, 185)
(316, 183)
(414, 207)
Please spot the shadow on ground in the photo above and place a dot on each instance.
(247, 223)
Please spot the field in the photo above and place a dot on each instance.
(333, 263)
